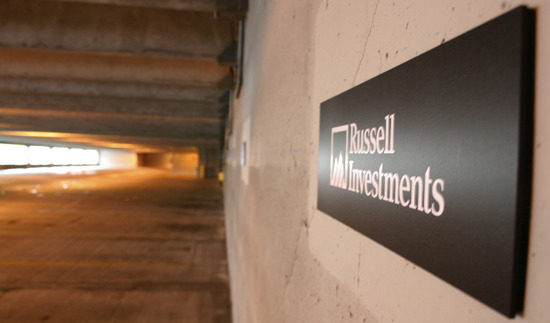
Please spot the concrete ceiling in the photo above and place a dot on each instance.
(149, 75)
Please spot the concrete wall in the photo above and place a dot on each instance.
(116, 158)
(155, 160)
(184, 162)
(290, 262)
(209, 162)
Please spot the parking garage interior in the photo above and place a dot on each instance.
(112, 123)
(197, 200)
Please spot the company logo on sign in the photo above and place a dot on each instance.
(349, 142)
(339, 165)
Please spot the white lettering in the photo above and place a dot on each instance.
(353, 141)
(438, 197)
(420, 193)
(404, 188)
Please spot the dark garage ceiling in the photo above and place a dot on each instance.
(147, 75)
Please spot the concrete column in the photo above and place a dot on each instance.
(210, 162)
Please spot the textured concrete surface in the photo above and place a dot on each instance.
(133, 72)
(105, 28)
(290, 262)
(135, 246)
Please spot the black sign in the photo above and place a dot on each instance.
(433, 159)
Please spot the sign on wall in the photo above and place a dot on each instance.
(432, 159)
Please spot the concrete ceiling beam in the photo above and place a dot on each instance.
(231, 9)
(106, 68)
(130, 90)
(92, 28)
(120, 118)
(190, 129)
(110, 105)
(188, 5)
(126, 90)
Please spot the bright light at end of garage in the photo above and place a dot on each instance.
(13, 154)
(19, 155)
(77, 156)
(40, 155)
(91, 157)
(61, 156)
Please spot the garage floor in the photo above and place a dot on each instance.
(112, 246)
